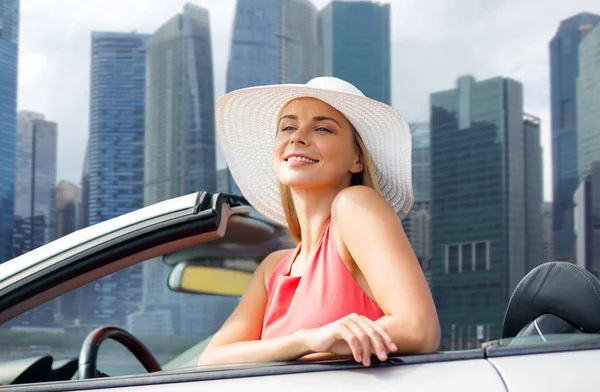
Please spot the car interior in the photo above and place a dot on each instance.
(555, 299)
(240, 240)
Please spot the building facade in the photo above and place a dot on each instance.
(355, 37)
(588, 103)
(587, 221)
(534, 190)
(35, 198)
(564, 69)
(9, 54)
(180, 155)
(478, 206)
(115, 160)
(274, 41)
(417, 223)
(116, 144)
(35, 182)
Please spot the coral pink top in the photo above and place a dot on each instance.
(325, 293)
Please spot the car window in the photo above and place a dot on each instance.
(136, 299)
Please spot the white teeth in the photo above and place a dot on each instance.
(301, 159)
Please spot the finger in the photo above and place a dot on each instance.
(387, 339)
(379, 337)
(364, 339)
(343, 332)
(385, 336)
(376, 342)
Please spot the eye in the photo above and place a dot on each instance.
(287, 128)
(323, 129)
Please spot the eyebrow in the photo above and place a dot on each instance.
(317, 118)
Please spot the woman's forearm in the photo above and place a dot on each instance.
(285, 348)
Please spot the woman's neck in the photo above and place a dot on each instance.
(313, 208)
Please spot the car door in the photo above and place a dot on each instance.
(569, 363)
(170, 228)
(452, 371)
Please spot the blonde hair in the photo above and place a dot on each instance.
(366, 177)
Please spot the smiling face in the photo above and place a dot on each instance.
(315, 146)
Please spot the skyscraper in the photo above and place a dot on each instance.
(564, 69)
(35, 197)
(9, 50)
(180, 156)
(417, 223)
(35, 183)
(355, 37)
(115, 160)
(587, 220)
(116, 144)
(588, 103)
(478, 206)
(421, 161)
(274, 41)
(534, 232)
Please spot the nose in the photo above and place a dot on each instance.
(300, 135)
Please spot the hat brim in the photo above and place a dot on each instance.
(247, 121)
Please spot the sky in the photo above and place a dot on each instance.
(433, 43)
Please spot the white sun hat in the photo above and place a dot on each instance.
(247, 121)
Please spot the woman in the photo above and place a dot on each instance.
(335, 167)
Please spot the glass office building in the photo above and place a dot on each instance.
(116, 144)
(9, 53)
(588, 103)
(564, 69)
(417, 223)
(180, 155)
(35, 183)
(355, 37)
(115, 160)
(478, 206)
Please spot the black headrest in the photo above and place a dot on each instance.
(558, 288)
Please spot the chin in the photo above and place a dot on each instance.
(298, 183)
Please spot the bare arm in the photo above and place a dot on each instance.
(373, 237)
(238, 340)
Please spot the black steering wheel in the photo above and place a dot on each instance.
(88, 357)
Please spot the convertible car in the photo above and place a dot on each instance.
(211, 243)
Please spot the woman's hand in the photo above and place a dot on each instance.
(353, 334)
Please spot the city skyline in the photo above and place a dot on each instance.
(477, 211)
(450, 37)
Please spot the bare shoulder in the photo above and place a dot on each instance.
(359, 201)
